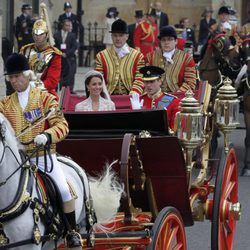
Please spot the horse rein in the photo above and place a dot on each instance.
(21, 165)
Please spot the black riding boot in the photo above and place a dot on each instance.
(73, 238)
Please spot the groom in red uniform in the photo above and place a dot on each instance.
(155, 98)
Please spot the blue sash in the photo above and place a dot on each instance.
(165, 101)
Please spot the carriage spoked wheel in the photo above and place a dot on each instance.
(168, 231)
(226, 208)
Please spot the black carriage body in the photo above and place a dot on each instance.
(96, 138)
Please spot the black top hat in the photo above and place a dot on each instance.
(67, 5)
(152, 12)
(139, 13)
(167, 31)
(16, 63)
(119, 26)
(151, 73)
(26, 7)
(223, 10)
(112, 11)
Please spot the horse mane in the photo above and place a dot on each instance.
(8, 132)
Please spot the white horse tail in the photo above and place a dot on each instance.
(106, 192)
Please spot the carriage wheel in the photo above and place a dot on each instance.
(225, 196)
(168, 232)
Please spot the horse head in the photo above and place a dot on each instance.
(221, 58)
(220, 44)
(209, 68)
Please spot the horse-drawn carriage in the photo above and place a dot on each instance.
(162, 195)
(162, 192)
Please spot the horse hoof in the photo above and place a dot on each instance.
(245, 172)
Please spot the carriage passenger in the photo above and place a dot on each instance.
(98, 98)
(155, 98)
(179, 66)
(120, 64)
(36, 119)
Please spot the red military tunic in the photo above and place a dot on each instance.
(163, 100)
(145, 37)
(47, 63)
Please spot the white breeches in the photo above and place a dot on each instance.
(56, 174)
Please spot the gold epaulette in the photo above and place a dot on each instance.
(29, 45)
(57, 51)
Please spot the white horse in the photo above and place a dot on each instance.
(21, 227)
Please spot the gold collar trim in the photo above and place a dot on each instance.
(156, 95)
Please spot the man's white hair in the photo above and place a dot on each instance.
(27, 73)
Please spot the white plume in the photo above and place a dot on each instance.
(106, 192)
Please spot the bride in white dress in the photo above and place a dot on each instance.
(97, 95)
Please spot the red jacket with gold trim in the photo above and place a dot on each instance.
(39, 104)
(179, 75)
(145, 37)
(125, 69)
(170, 102)
(46, 62)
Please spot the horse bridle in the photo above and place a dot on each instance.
(5, 146)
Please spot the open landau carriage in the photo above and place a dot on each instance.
(163, 194)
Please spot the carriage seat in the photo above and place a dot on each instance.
(69, 101)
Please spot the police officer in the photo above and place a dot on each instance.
(23, 26)
(70, 16)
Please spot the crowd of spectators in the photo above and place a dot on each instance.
(152, 39)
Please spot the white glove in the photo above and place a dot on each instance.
(135, 101)
(40, 139)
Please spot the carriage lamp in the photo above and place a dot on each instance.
(189, 127)
(227, 110)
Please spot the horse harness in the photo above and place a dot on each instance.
(42, 209)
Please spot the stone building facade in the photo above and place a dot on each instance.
(95, 10)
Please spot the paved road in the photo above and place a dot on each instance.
(198, 236)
